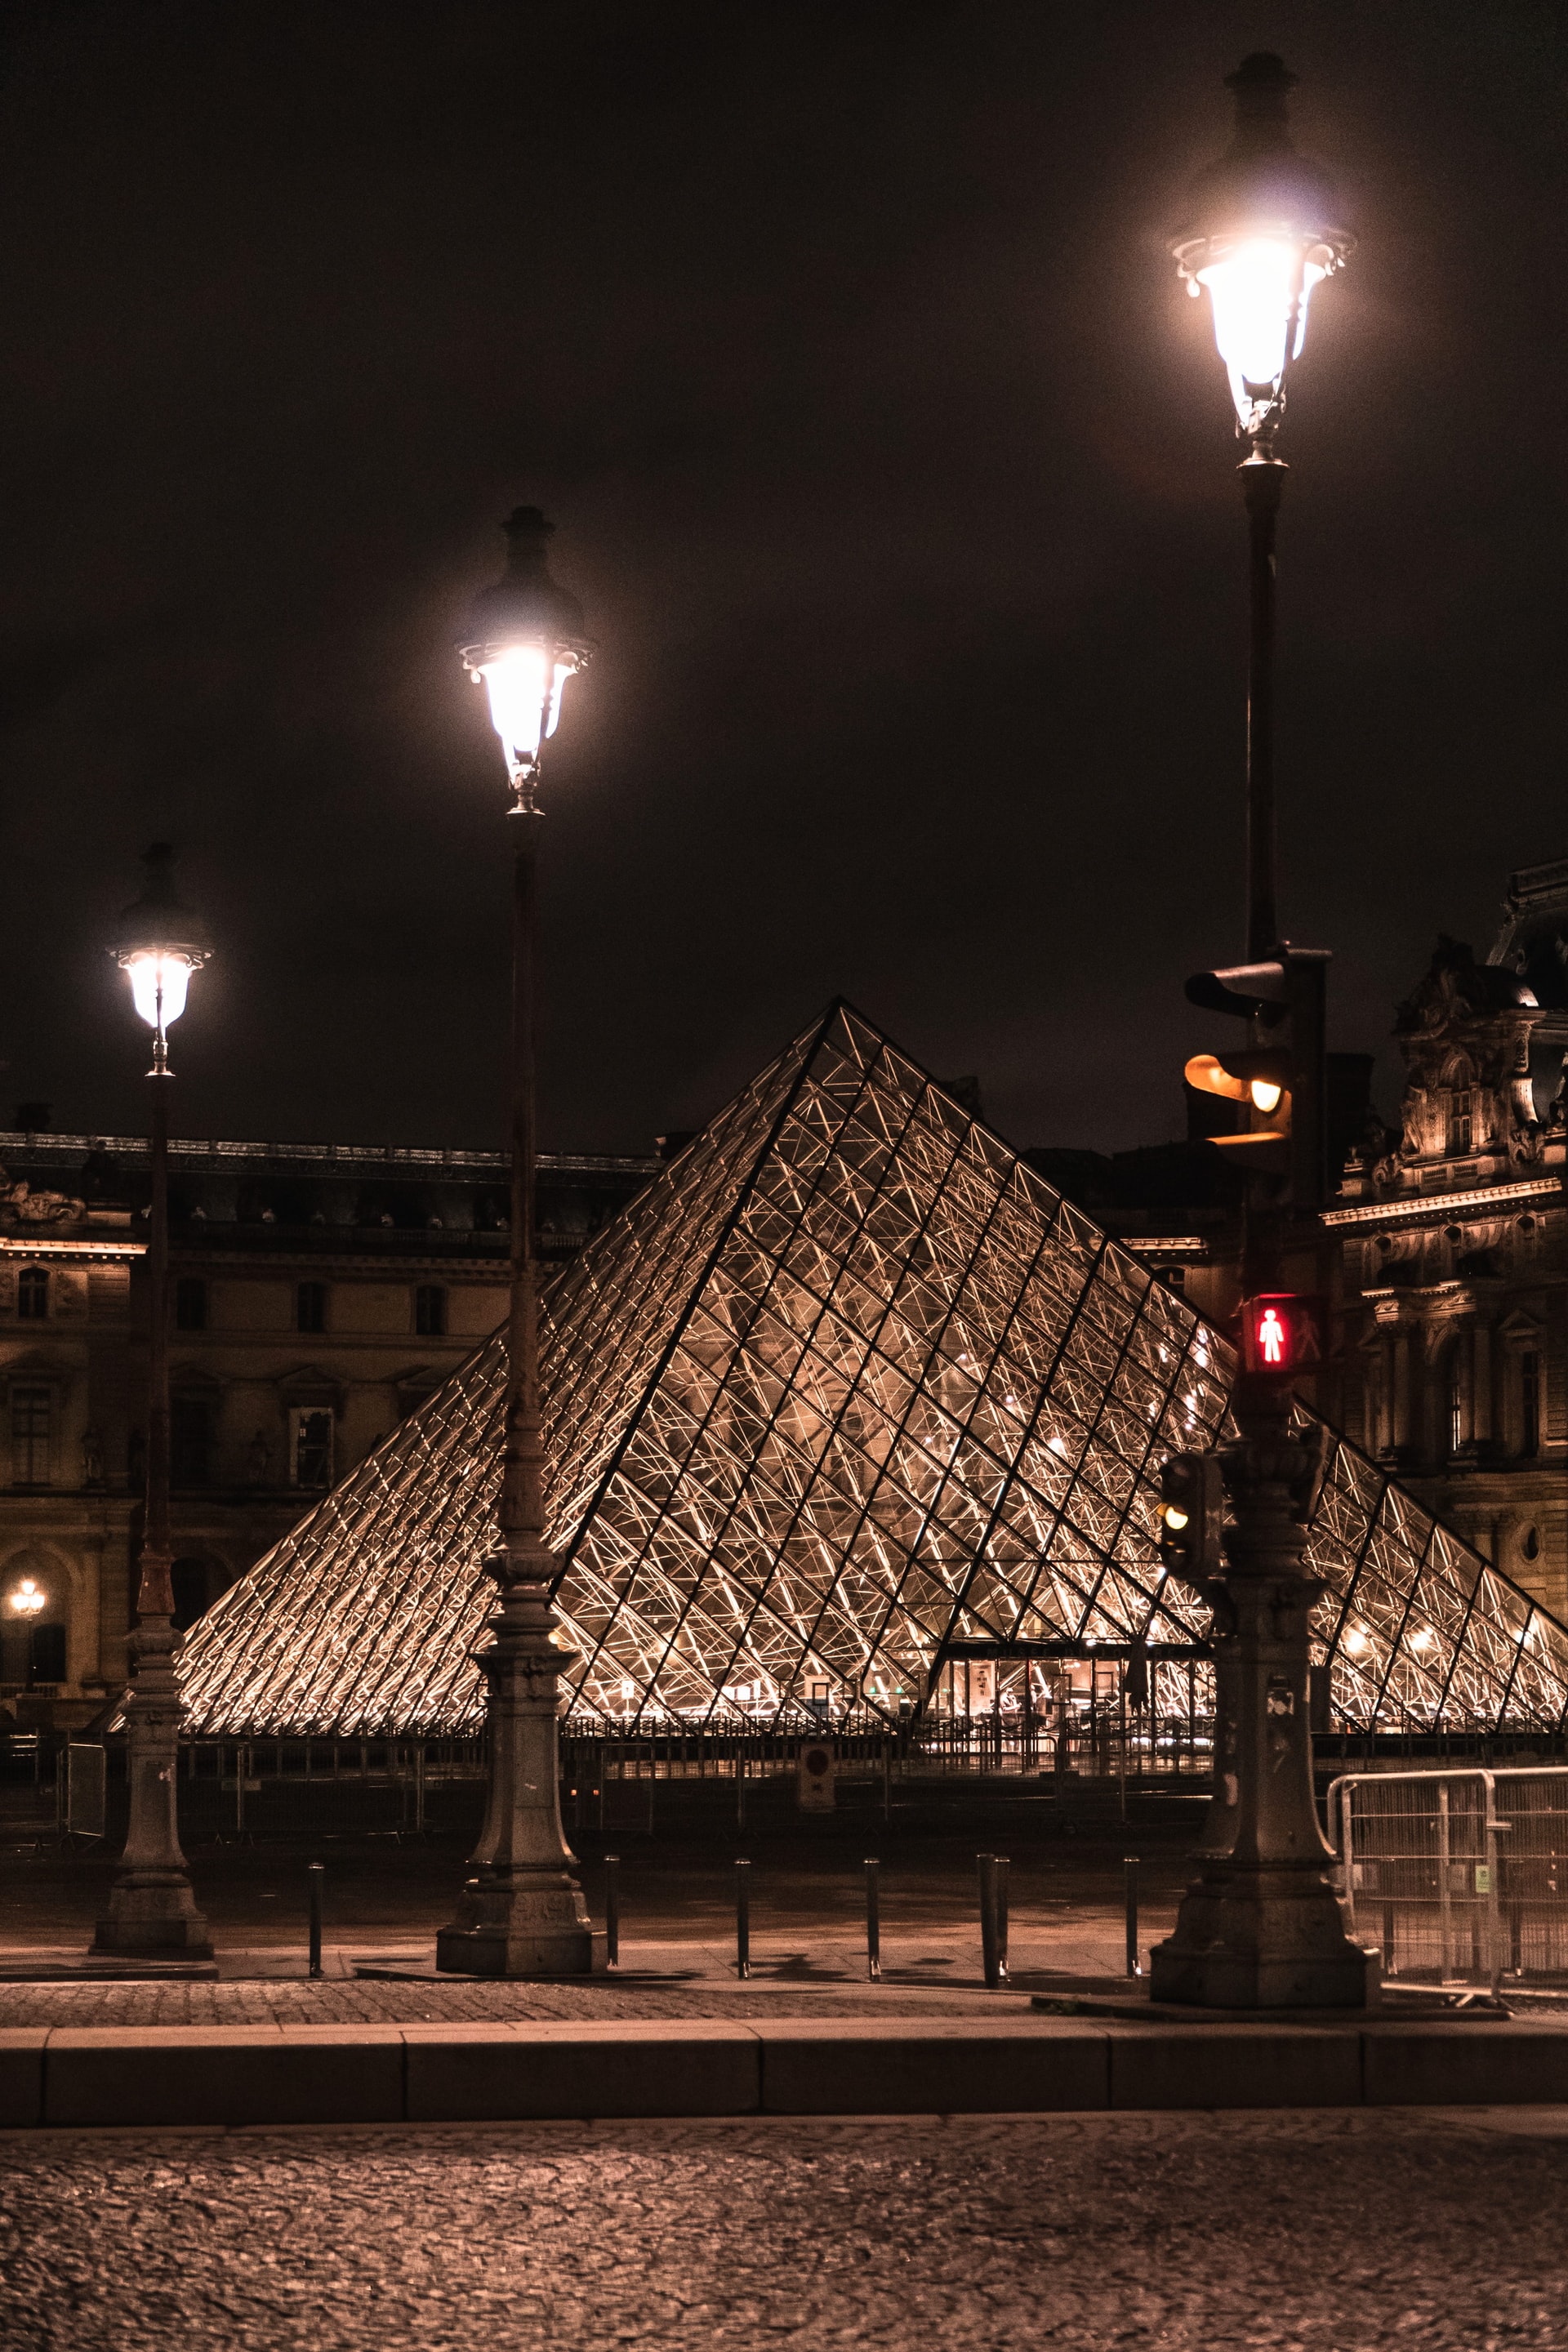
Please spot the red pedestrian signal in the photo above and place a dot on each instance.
(1283, 1331)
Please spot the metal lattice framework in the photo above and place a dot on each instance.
(848, 1384)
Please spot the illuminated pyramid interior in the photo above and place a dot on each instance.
(847, 1384)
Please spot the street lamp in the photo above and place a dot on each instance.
(30, 1598)
(160, 945)
(1260, 1926)
(523, 1913)
(1263, 233)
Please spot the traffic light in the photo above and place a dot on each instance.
(1282, 1332)
(1279, 1077)
(1192, 1513)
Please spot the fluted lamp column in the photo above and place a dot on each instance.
(151, 1909)
(521, 1913)
(1262, 231)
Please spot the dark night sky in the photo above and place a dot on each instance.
(893, 469)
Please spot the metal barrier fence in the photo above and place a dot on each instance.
(1459, 1876)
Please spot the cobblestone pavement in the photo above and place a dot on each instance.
(1436, 2231)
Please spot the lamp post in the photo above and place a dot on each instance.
(522, 1912)
(1261, 1926)
(151, 1906)
(1262, 234)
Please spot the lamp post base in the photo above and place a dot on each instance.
(522, 1922)
(522, 1914)
(153, 1914)
(1262, 1937)
(152, 1910)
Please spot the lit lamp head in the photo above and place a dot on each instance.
(1263, 231)
(30, 1598)
(160, 943)
(523, 639)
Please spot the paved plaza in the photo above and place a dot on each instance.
(1435, 2231)
(383, 1902)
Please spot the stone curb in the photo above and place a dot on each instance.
(239, 2074)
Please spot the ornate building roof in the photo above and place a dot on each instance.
(847, 1384)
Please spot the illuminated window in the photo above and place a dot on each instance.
(1455, 1410)
(31, 1432)
(190, 1303)
(1530, 1403)
(33, 1294)
(430, 1310)
(311, 1307)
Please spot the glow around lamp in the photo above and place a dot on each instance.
(1263, 232)
(522, 640)
(160, 943)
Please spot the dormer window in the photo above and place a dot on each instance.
(1461, 1123)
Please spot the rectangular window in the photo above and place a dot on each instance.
(190, 1303)
(1460, 1140)
(313, 1447)
(33, 1294)
(189, 1440)
(311, 1307)
(31, 1415)
(430, 1310)
(1530, 1403)
(1456, 1410)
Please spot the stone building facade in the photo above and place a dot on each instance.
(1454, 1227)
(317, 1293)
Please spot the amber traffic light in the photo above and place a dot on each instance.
(1278, 1077)
(1192, 1512)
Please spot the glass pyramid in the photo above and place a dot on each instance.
(848, 1383)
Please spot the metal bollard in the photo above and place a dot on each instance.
(612, 1910)
(316, 1871)
(873, 1921)
(994, 1918)
(742, 1918)
(1130, 1866)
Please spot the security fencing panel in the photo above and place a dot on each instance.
(85, 1789)
(1460, 1877)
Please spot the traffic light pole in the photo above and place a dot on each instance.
(1261, 1926)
